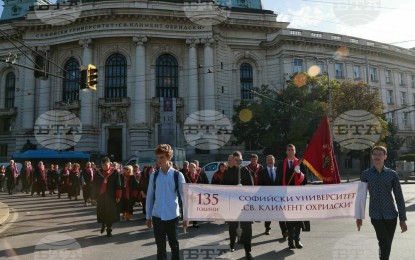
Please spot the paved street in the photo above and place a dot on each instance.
(40, 227)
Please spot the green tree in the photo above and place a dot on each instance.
(293, 114)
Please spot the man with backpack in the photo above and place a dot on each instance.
(164, 194)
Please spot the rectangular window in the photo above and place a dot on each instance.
(348, 163)
(403, 98)
(401, 78)
(321, 67)
(390, 97)
(373, 74)
(388, 76)
(405, 120)
(4, 125)
(3, 150)
(408, 141)
(357, 74)
(298, 65)
(339, 70)
(389, 117)
(413, 81)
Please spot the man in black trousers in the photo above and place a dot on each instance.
(291, 173)
(268, 177)
(231, 177)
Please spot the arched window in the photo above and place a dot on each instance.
(116, 76)
(71, 79)
(247, 81)
(10, 89)
(167, 76)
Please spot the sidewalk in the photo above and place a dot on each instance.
(4, 212)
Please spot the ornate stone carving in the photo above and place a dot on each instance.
(140, 40)
(207, 41)
(86, 42)
(192, 42)
(114, 115)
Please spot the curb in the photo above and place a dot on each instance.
(4, 213)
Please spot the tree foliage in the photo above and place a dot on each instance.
(292, 115)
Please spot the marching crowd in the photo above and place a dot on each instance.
(115, 190)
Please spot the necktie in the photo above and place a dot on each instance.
(290, 164)
(271, 174)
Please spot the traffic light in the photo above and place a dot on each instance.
(92, 76)
(84, 78)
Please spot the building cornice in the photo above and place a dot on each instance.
(333, 40)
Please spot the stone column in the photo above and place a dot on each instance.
(86, 97)
(193, 94)
(44, 87)
(28, 111)
(208, 74)
(139, 101)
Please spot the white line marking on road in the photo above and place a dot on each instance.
(15, 215)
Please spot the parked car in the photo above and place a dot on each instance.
(213, 167)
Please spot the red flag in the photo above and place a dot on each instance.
(319, 155)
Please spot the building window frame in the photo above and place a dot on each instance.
(167, 76)
(298, 66)
(3, 150)
(390, 117)
(373, 74)
(115, 76)
(357, 71)
(246, 79)
(339, 70)
(389, 97)
(405, 119)
(402, 81)
(70, 84)
(10, 89)
(388, 76)
(404, 100)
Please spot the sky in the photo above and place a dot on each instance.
(386, 21)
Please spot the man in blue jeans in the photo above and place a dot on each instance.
(382, 181)
(162, 204)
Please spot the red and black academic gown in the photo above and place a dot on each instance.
(39, 176)
(74, 183)
(63, 182)
(87, 178)
(254, 170)
(25, 174)
(287, 176)
(106, 188)
(130, 188)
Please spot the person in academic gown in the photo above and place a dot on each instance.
(106, 193)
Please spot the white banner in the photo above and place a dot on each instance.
(259, 203)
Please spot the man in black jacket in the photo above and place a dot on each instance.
(291, 173)
(268, 177)
(232, 177)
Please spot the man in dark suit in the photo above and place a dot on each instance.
(232, 177)
(291, 173)
(268, 177)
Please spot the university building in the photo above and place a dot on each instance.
(161, 61)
